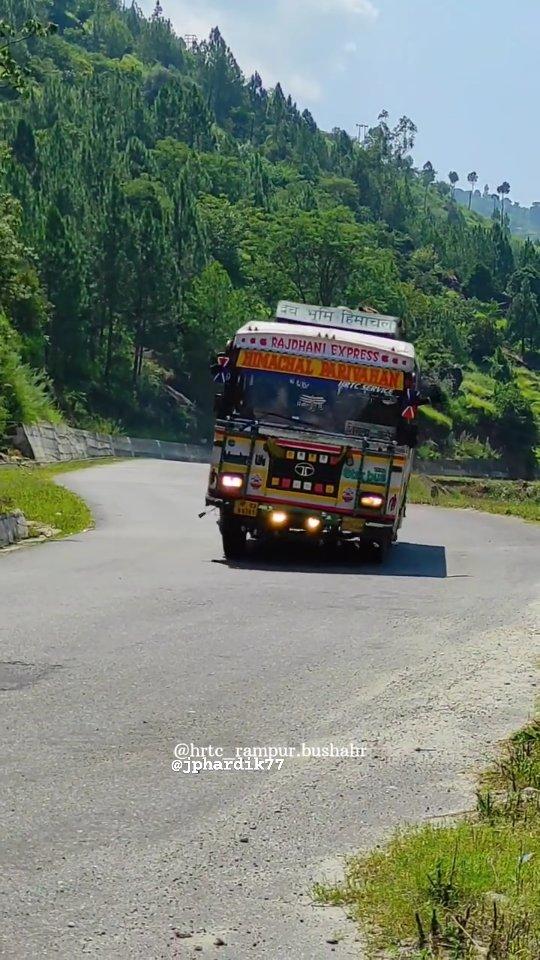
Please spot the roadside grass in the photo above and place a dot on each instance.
(43, 502)
(67, 466)
(465, 891)
(515, 498)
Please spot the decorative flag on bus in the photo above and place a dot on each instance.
(410, 408)
(220, 373)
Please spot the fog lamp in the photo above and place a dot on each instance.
(371, 500)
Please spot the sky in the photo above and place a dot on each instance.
(466, 71)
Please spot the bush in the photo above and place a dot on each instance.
(428, 451)
(24, 394)
(515, 429)
(467, 447)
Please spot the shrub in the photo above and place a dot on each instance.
(24, 394)
(467, 447)
(515, 429)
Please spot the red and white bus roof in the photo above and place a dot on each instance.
(332, 344)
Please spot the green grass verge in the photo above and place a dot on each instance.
(33, 490)
(67, 466)
(468, 890)
(508, 497)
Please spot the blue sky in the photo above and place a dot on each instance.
(466, 71)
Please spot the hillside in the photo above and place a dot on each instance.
(153, 199)
(523, 221)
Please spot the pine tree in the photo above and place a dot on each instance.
(63, 277)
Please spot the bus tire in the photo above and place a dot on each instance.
(381, 549)
(234, 540)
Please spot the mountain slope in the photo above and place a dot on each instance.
(161, 199)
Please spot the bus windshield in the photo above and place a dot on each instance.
(330, 405)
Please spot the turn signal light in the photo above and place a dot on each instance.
(371, 500)
(278, 518)
(231, 481)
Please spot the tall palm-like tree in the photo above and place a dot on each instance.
(503, 189)
(428, 177)
(472, 177)
(453, 178)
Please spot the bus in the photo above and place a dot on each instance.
(315, 429)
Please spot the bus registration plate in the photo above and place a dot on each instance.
(353, 525)
(244, 508)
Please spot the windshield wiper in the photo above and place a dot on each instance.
(304, 425)
(295, 422)
(282, 416)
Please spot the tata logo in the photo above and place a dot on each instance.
(304, 470)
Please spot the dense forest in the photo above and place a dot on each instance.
(153, 199)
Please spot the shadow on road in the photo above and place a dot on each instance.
(404, 560)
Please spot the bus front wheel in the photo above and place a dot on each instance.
(234, 538)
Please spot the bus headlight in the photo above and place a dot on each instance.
(231, 481)
(371, 500)
(313, 524)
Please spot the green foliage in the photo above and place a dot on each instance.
(13, 74)
(529, 385)
(308, 255)
(24, 394)
(43, 502)
(524, 316)
(21, 296)
(466, 447)
(153, 199)
(440, 422)
(515, 427)
(466, 889)
(506, 497)
(500, 368)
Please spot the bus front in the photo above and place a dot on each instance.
(313, 437)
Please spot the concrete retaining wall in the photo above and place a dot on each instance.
(48, 444)
(13, 527)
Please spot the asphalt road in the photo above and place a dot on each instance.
(122, 642)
